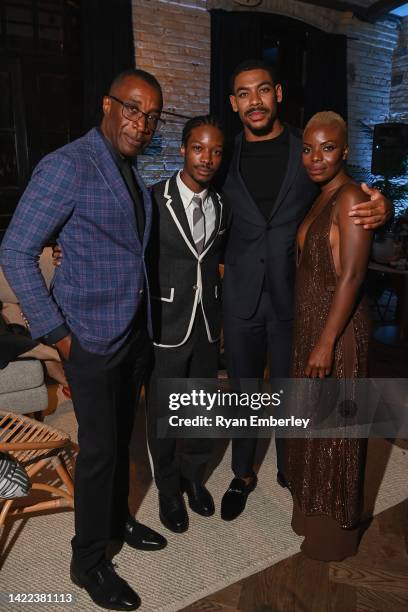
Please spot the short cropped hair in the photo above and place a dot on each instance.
(196, 122)
(253, 64)
(147, 77)
(328, 118)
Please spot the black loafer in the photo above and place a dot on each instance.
(173, 513)
(199, 498)
(234, 499)
(141, 537)
(106, 588)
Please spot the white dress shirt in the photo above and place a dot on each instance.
(208, 207)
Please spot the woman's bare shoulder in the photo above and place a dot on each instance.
(351, 194)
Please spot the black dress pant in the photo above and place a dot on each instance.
(248, 344)
(105, 390)
(176, 459)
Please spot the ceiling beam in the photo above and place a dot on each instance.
(371, 13)
(381, 7)
(338, 5)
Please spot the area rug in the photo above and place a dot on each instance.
(210, 556)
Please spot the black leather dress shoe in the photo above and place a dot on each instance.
(280, 479)
(106, 588)
(234, 499)
(199, 498)
(173, 513)
(142, 537)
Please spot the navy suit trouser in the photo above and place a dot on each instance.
(251, 344)
(105, 391)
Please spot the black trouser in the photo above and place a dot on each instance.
(175, 459)
(105, 390)
(248, 343)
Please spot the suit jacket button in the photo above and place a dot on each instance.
(141, 291)
(262, 260)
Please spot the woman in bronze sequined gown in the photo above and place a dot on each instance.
(326, 476)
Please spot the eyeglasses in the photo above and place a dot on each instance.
(133, 113)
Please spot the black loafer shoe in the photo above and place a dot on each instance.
(234, 499)
(199, 498)
(106, 588)
(280, 479)
(173, 513)
(142, 537)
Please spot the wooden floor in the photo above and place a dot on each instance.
(375, 580)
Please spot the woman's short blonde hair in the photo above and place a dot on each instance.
(328, 118)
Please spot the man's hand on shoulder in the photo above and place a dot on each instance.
(375, 212)
(63, 347)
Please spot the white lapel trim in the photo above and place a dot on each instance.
(193, 314)
(164, 299)
(215, 234)
(176, 221)
(169, 199)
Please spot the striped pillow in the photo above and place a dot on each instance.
(14, 481)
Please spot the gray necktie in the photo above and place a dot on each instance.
(198, 224)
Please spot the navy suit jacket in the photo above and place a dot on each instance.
(260, 251)
(78, 194)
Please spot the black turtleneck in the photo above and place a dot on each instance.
(263, 167)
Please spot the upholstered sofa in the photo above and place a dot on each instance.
(22, 386)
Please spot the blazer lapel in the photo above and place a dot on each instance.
(107, 167)
(218, 207)
(176, 207)
(177, 211)
(147, 203)
(294, 161)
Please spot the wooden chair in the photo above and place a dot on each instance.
(36, 446)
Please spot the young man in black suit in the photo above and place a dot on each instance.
(189, 223)
(270, 193)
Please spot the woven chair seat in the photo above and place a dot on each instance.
(35, 445)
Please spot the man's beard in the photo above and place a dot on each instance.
(266, 129)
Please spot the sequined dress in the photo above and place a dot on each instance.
(326, 476)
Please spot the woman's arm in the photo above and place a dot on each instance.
(354, 252)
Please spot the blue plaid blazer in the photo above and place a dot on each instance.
(78, 194)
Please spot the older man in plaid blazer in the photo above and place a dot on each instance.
(90, 195)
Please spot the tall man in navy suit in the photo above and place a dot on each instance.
(270, 194)
(90, 195)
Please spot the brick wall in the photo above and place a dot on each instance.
(173, 41)
(399, 88)
(369, 57)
